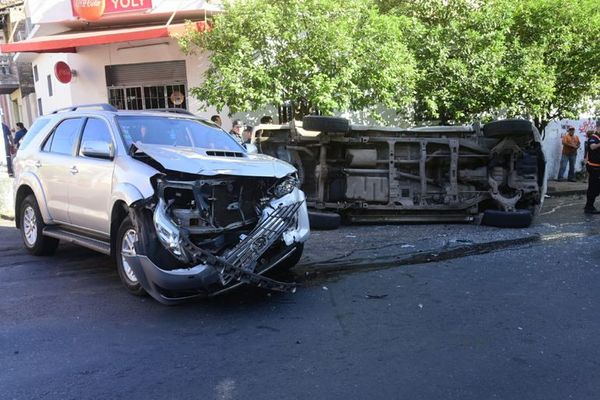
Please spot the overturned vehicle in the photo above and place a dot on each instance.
(183, 208)
(493, 174)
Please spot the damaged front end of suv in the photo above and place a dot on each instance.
(216, 220)
(200, 237)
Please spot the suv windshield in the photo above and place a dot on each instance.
(175, 132)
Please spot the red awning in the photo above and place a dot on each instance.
(69, 41)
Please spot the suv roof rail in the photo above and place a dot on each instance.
(171, 110)
(103, 106)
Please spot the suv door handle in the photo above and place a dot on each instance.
(74, 170)
(38, 163)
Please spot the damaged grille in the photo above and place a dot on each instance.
(208, 206)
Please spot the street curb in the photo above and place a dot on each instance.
(420, 257)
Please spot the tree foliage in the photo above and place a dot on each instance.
(319, 54)
(537, 59)
(432, 60)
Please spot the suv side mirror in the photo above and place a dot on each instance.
(251, 148)
(97, 149)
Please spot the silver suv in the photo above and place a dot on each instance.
(181, 206)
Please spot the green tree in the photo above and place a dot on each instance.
(556, 42)
(538, 59)
(319, 54)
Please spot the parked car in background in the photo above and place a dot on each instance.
(493, 173)
(184, 210)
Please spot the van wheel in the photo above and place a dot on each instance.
(32, 227)
(508, 128)
(324, 221)
(126, 238)
(507, 219)
(325, 123)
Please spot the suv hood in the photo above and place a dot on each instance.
(197, 161)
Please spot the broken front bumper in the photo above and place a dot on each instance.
(284, 219)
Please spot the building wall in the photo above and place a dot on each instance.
(89, 85)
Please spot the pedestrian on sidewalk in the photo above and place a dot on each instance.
(216, 119)
(20, 134)
(593, 169)
(236, 130)
(570, 144)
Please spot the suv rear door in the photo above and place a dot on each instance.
(54, 164)
(91, 183)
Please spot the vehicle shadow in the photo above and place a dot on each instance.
(79, 269)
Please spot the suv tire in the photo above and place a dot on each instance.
(293, 259)
(507, 128)
(125, 243)
(325, 124)
(32, 228)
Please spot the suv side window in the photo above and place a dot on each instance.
(64, 136)
(95, 130)
(37, 126)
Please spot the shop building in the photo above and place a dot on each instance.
(122, 52)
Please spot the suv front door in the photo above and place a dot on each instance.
(90, 188)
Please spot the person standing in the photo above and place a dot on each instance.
(20, 134)
(593, 169)
(236, 130)
(570, 143)
(247, 135)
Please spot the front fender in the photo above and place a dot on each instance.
(126, 192)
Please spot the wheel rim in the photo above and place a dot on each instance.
(30, 230)
(128, 249)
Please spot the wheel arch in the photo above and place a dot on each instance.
(30, 184)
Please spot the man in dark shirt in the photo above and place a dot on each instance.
(236, 130)
(593, 168)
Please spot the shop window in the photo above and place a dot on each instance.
(116, 97)
(133, 98)
(176, 96)
(148, 97)
(154, 97)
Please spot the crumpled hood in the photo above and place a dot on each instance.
(196, 161)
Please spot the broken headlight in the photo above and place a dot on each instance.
(167, 231)
(286, 186)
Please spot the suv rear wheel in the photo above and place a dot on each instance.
(32, 227)
(126, 238)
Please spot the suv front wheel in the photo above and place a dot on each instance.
(32, 227)
(126, 238)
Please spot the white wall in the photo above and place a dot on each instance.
(89, 86)
(552, 142)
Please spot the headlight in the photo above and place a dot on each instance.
(167, 231)
(286, 186)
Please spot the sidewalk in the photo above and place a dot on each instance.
(566, 188)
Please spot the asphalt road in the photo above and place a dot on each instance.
(517, 323)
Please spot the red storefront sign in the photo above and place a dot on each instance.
(94, 9)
